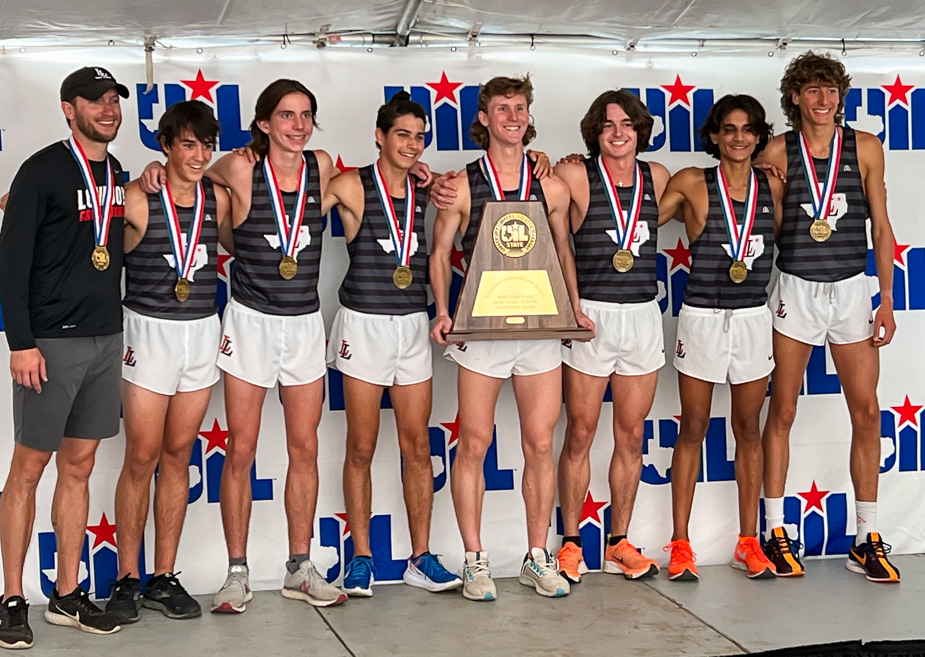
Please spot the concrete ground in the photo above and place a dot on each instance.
(722, 614)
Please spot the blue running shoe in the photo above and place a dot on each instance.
(359, 577)
(426, 572)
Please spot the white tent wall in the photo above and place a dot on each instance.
(350, 85)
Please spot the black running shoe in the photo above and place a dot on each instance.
(125, 600)
(15, 632)
(76, 610)
(167, 595)
(869, 559)
(784, 553)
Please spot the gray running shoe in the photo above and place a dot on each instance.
(308, 585)
(477, 582)
(541, 571)
(235, 593)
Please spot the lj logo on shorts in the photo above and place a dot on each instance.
(225, 348)
(679, 352)
(781, 311)
(129, 357)
(344, 350)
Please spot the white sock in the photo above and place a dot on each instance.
(867, 520)
(773, 514)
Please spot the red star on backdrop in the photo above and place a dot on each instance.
(223, 259)
(678, 418)
(908, 412)
(445, 88)
(814, 498)
(680, 255)
(590, 510)
(217, 437)
(343, 167)
(343, 516)
(200, 87)
(453, 427)
(899, 251)
(105, 532)
(679, 91)
(898, 92)
(456, 259)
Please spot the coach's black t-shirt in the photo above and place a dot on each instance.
(49, 288)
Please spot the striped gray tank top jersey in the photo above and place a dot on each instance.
(479, 192)
(255, 278)
(596, 244)
(844, 254)
(367, 286)
(709, 285)
(150, 274)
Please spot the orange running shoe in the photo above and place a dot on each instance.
(750, 557)
(571, 562)
(624, 559)
(681, 565)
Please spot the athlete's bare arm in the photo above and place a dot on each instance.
(234, 173)
(347, 193)
(223, 209)
(870, 159)
(557, 201)
(660, 178)
(575, 177)
(454, 219)
(136, 215)
(679, 194)
(777, 193)
(775, 155)
(326, 169)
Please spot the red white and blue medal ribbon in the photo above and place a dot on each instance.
(401, 234)
(821, 195)
(288, 231)
(494, 182)
(625, 223)
(183, 257)
(738, 237)
(100, 207)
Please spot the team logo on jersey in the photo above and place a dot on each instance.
(443, 442)
(84, 205)
(450, 106)
(99, 564)
(200, 261)
(640, 235)
(389, 247)
(334, 548)
(224, 98)
(304, 239)
(679, 110)
(901, 443)
(207, 461)
(895, 112)
(753, 250)
(716, 464)
(837, 209)
(818, 519)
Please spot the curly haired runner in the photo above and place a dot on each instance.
(834, 183)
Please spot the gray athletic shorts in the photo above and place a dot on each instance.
(82, 397)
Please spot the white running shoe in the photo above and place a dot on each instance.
(308, 585)
(235, 592)
(477, 582)
(541, 571)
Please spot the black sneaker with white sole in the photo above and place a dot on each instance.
(76, 610)
(15, 633)
(125, 600)
(167, 595)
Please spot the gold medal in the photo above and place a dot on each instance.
(288, 267)
(402, 277)
(100, 258)
(738, 272)
(820, 230)
(623, 260)
(181, 289)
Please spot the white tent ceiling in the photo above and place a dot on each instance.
(618, 21)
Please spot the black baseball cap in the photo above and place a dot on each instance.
(90, 82)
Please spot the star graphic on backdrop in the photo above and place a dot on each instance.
(908, 412)
(445, 88)
(216, 437)
(453, 427)
(814, 498)
(343, 516)
(200, 87)
(223, 259)
(898, 92)
(456, 259)
(680, 255)
(679, 91)
(343, 167)
(899, 251)
(591, 510)
(105, 532)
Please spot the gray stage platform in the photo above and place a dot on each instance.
(723, 614)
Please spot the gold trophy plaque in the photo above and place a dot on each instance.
(514, 288)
